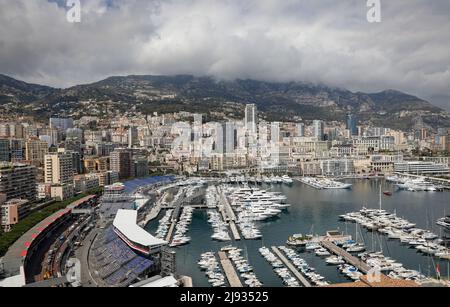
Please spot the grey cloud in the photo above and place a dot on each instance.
(311, 40)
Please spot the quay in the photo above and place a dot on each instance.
(356, 262)
(230, 273)
(289, 265)
(153, 214)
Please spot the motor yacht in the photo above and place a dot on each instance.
(287, 180)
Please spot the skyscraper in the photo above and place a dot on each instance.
(352, 124)
(319, 128)
(251, 119)
(132, 136)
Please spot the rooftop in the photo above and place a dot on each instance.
(384, 282)
(125, 222)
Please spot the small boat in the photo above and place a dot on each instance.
(387, 193)
(322, 252)
(335, 260)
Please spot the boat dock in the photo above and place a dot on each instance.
(356, 262)
(169, 233)
(228, 215)
(230, 273)
(234, 231)
(289, 265)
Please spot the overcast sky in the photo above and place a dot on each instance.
(323, 41)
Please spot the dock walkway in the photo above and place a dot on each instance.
(228, 215)
(356, 262)
(291, 267)
(234, 231)
(230, 273)
(169, 233)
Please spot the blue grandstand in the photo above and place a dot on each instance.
(116, 264)
(131, 186)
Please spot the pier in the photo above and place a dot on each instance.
(175, 215)
(169, 233)
(230, 273)
(289, 265)
(234, 231)
(228, 215)
(356, 262)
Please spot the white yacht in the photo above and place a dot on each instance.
(287, 180)
(444, 222)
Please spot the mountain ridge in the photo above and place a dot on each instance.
(277, 100)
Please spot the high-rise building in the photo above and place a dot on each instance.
(16, 148)
(132, 136)
(4, 150)
(108, 178)
(71, 144)
(14, 130)
(105, 149)
(121, 161)
(140, 166)
(61, 123)
(352, 124)
(300, 130)
(59, 168)
(251, 118)
(35, 151)
(77, 162)
(12, 150)
(51, 136)
(319, 130)
(18, 180)
(75, 133)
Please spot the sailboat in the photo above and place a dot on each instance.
(356, 247)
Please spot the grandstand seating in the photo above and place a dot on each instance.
(116, 263)
(132, 185)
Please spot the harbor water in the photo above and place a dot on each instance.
(315, 212)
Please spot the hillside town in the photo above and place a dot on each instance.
(68, 156)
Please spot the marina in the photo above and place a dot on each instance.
(396, 228)
(305, 269)
(289, 265)
(279, 268)
(181, 228)
(354, 261)
(242, 266)
(208, 262)
(321, 208)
